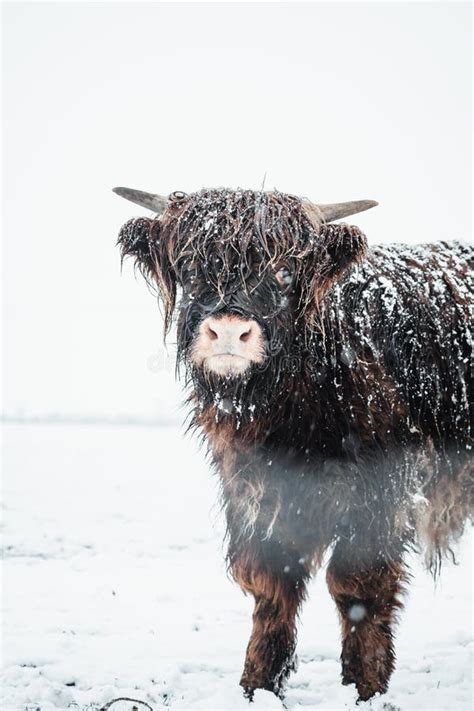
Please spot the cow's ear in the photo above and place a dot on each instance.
(339, 246)
(139, 238)
(134, 241)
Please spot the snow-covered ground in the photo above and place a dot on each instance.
(114, 585)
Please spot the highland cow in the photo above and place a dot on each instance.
(330, 381)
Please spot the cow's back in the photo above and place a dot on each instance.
(412, 304)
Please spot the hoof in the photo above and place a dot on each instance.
(251, 686)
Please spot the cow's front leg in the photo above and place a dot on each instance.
(367, 596)
(276, 579)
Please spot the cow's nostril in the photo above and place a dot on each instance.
(245, 335)
(211, 333)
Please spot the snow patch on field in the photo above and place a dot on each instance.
(114, 585)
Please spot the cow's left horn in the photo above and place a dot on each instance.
(157, 203)
(343, 209)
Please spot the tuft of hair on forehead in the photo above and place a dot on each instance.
(231, 233)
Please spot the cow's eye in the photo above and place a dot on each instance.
(284, 277)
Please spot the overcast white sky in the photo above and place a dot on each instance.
(332, 101)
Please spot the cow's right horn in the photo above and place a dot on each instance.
(150, 201)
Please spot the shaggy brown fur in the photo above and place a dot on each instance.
(354, 435)
(270, 652)
(367, 600)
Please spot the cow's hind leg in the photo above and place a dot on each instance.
(367, 595)
(276, 579)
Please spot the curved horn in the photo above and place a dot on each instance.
(343, 209)
(157, 203)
